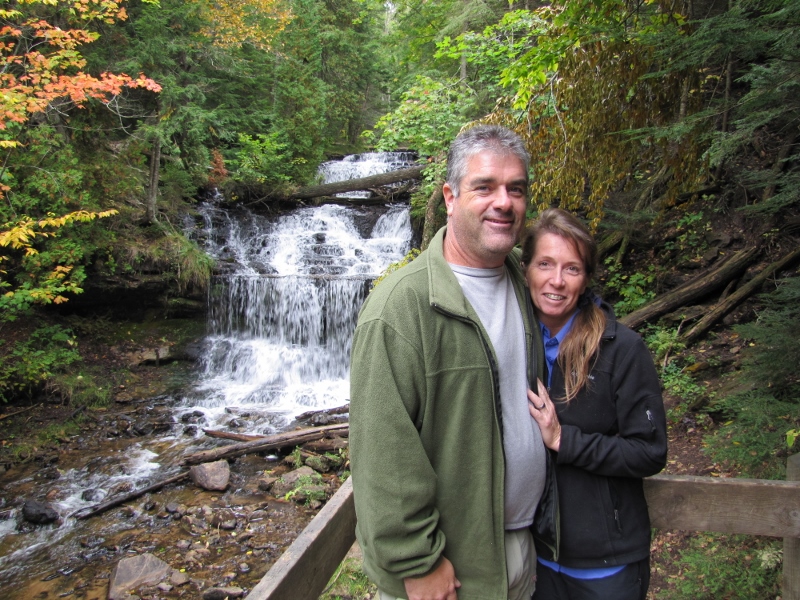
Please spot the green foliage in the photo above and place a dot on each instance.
(30, 363)
(752, 436)
(770, 362)
(759, 423)
(728, 566)
(430, 115)
(663, 342)
(260, 160)
(349, 582)
(80, 389)
(681, 384)
(634, 290)
(310, 488)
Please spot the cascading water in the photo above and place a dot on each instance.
(283, 313)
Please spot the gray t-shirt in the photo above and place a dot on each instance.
(491, 294)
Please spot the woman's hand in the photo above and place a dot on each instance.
(544, 412)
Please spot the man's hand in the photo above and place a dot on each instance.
(439, 584)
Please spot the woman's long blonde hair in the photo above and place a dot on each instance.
(578, 351)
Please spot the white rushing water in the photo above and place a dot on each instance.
(282, 317)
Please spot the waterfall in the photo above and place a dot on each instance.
(283, 310)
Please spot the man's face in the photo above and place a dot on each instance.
(486, 218)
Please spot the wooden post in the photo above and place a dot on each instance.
(791, 545)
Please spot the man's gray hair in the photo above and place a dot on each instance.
(494, 138)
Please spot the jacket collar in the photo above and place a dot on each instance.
(445, 291)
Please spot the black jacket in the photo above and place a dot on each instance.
(612, 435)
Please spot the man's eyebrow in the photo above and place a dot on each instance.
(485, 180)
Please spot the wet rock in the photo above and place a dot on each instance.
(38, 513)
(266, 482)
(122, 488)
(211, 476)
(191, 430)
(131, 573)
(196, 416)
(258, 515)
(183, 544)
(92, 495)
(319, 463)
(224, 519)
(177, 578)
(221, 593)
(92, 541)
(287, 482)
(244, 568)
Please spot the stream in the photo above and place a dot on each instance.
(281, 312)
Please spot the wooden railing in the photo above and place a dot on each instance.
(749, 506)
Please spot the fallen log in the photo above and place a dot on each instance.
(703, 284)
(339, 410)
(271, 442)
(354, 185)
(17, 412)
(725, 306)
(91, 511)
(228, 435)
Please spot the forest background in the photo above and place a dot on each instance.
(670, 126)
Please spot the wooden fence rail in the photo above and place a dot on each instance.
(749, 506)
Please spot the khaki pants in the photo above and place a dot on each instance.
(520, 566)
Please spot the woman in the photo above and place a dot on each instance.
(603, 422)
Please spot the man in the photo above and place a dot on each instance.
(447, 464)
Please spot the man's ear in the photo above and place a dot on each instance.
(449, 198)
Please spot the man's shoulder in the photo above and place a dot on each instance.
(399, 289)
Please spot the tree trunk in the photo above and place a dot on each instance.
(725, 306)
(152, 186)
(353, 185)
(696, 288)
(431, 209)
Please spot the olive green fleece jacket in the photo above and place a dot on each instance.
(426, 444)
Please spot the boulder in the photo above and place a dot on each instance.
(136, 571)
(38, 513)
(212, 476)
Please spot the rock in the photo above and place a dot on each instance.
(221, 593)
(224, 519)
(196, 416)
(265, 483)
(211, 476)
(177, 578)
(288, 481)
(92, 495)
(131, 573)
(319, 463)
(38, 513)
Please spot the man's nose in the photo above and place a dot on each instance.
(502, 199)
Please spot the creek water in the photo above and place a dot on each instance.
(282, 309)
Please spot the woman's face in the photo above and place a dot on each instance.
(556, 278)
